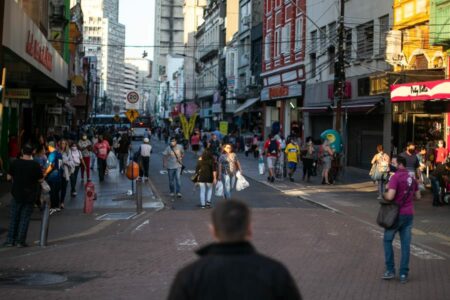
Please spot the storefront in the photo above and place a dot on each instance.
(282, 104)
(421, 113)
(35, 74)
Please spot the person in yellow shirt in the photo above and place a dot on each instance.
(293, 156)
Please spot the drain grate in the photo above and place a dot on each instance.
(33, 279)
(116, 216)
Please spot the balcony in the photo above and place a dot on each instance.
(207, 51)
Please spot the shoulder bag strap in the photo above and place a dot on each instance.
(176, 156)
(406, 195)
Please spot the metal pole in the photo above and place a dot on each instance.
(138, 196)
(44, 224)
(340, 70)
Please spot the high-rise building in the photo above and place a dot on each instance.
(169, 30)
(104, 37)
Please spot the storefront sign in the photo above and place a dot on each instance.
(54, 110)
(421, 91)
(223, 127)
(17, 94)
(216, 106)
(27, 41)
(278, 92)
(39, 52)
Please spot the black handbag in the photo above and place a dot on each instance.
(195, 177)
(389, 211)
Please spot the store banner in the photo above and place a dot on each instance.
(421, 91)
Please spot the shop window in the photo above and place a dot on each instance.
(364, 86)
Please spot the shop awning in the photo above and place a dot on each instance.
(421, 91)
(353, 105)
(247, 104)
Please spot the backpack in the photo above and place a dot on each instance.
(273, 147)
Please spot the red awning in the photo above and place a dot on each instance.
(421, 91)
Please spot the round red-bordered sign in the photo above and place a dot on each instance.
(132, 97)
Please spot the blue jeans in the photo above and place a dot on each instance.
(404, 227)
(381, 186)
(436, 188)
(228, 184)
(174, 180)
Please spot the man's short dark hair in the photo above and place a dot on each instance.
(401, 160)
(27, 149)
(231, 219)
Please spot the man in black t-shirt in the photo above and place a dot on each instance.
(26, 175)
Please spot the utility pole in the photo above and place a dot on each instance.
(339, 73)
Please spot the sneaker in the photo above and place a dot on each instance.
(179, 195)
(202, 206)
(74, 194)
(379, 198)
(22, 245)
(403, 279)
(8, 244)
(208, 205)
(52, 211)
(388, 275)
(171, 194)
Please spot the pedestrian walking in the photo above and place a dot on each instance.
(53, 176)
(380, 163)
(402, 189)
(412, 162)
(228, 167)
(231, 268)
(85, 146)
(25, 174)
(271, 149)
(440, 177)
(78, 162)
(93, 156)
(441, 153)
(145, 152)
(195, 143)
(172, 161)
(124, 151)
(308, 158)
(68, 168)
(326, 157)
(214, 145)
(207, 176)
(293, 156)
(101, 150)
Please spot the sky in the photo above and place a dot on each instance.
(138, 18)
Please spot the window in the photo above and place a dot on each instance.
(331, 59)
(267, 44)
(421, 6)
(277, 43)
(384, 28)
(332, 33)
(364, 86)
(348, 44)
(323, 38)
(314, 41)
(268, 6)
(286, 39)
(299, 33)
(365, 40)
(313, 64)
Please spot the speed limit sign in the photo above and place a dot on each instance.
(132, 97)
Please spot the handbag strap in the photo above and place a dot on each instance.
(176, 156)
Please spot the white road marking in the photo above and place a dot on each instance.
(186, 242)
(139, 228)
(415, 250)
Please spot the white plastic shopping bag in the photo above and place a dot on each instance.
(261, 166)
(111, 161)
(219, 189)
(241, 182)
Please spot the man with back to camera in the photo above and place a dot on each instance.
(231, 268)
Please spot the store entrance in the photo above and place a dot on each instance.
(428, 128)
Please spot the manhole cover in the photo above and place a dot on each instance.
(117, 216)
(33, 279)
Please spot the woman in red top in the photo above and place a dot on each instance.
(13, 147)
(441, 153)
(195, 142)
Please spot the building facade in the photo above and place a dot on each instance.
(143, 84)
(104, 37)
(283, 66)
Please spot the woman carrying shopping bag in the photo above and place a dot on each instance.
(205, 177)
(228, 166)
(380, 169)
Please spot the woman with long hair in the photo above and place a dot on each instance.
(381, 162)
(68, 168)
(327, 157)
(228, 167)
(207, 176)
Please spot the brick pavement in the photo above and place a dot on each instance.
(330, 256)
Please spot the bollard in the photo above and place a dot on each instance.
(89, 197)
(138, 196)
(44, 224)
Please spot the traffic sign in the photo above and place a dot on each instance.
(132, 115)
(132, 97)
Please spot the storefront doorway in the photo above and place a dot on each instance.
(427, 128)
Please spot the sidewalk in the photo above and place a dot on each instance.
(71, 222)
(355, 195)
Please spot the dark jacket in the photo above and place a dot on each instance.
(233, 271)
(205, 168)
